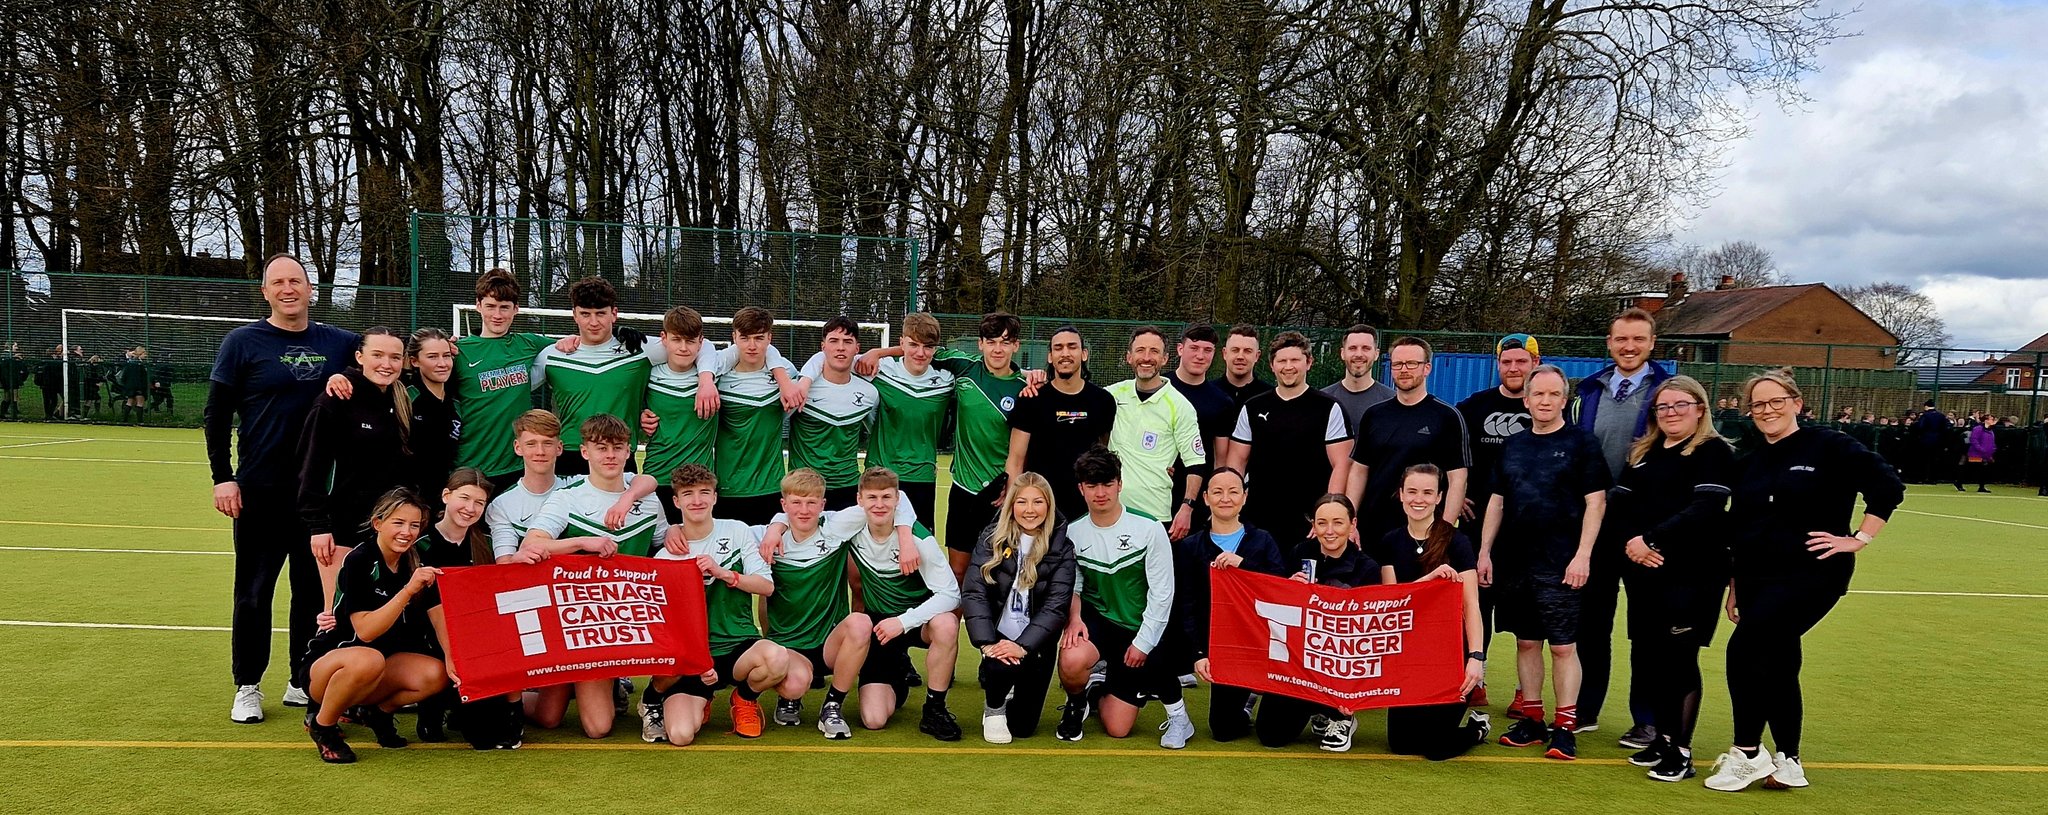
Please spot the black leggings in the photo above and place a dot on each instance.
(1601, 598)
(269, 537)
(1670, 683)
(1281, 718)
(1435, 732)
(1978, 471)
(1024, 684)
(1228, 720)
(1764, 658)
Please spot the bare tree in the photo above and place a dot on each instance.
(1909, 314)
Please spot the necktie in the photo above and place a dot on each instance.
(1621, 391)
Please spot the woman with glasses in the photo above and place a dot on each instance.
(1794, 552)
(1668, 508)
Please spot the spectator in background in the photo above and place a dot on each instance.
(50, 380)
(133, 383)
(1977, 457)
(160, 397)
(13, 372)
(1930, 438)
(2037, 457)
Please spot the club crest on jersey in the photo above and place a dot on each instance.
(304, 363)
(1123, 543)
(1503, 424)
(860, 400)
(1149, 441)
(725, 546)
(1007, 403)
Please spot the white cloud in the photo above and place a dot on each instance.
(1922, 158)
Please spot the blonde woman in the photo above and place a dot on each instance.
(1669, 513)
(1794, 550)
(1019, 583)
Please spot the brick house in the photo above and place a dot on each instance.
(2022, 370)
(1766, 326)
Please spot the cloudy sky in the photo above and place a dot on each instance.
(1921, 158)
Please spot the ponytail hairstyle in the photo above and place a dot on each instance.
(478, 536)
(397, 498)
(1005, 535)
(400, 400)
(1437, 547)
(414, 344)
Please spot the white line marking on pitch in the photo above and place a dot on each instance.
(111, 551)
(119, 526)
(1940, 515)
(102, 460)
(120, 441)
(41, 443)
(129, 626)
(1951, 594)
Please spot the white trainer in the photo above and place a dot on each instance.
(1337, 739)
(248, 707)
(295, 696)
(1177, 731)
(995, 726)
(1788, 774)
(1734, 772)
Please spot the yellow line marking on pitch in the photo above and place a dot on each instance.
(967, 751)
(1951, 517)
(103, 460)
(119, 526)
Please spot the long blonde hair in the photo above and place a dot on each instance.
(1007, 535)
(1702, 432)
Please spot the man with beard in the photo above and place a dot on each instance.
(1291, 443)
(1156, 428)
(1411, 428)
(1357, 390)
(1050, 429)
(1491, 416)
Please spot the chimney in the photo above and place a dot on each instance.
(1675, 290)
(1727, 282)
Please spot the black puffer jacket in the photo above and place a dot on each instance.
(981, 600)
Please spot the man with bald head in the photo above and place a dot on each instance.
(267, 375)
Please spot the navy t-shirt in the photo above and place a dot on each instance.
(1403, 552)
(1544, 479)
(277, 374)
(1390, 438)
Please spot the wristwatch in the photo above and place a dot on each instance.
(1478, 655)
(1863, 536)
(1188, 502)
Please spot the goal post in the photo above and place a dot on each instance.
(560, 322)
(106, 330)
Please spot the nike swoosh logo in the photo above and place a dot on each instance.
(474, 363)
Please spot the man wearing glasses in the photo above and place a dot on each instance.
(1614, 405)
(1411, 428)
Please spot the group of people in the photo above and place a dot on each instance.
(1081, 522)
(134, 385)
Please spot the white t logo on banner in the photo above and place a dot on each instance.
(524, 605)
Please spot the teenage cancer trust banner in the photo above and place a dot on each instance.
(573, 618)
(1351, 649)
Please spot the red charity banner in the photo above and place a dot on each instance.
(1351, 649)
(573, 618)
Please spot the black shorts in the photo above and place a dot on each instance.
(1538, 609)
(1111, 642)
(841, 497)
(968, 513)
(924, 498)
(753, 510)
(888, 663)
(724, 664)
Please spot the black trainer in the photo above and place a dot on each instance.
(1649, 756)
(1675, 766)
(1639, 737)
(912, 679)
(938, 722)
(1072, 716)
(382, 725)
(432, 726)
(1525, 733)
(333, 746)
(1564, 745)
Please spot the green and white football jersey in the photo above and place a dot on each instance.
(825, 435)
(730, 611)
(511, 514)
(1126, 573)
(577, 510)
(981, 432)
(596, 379)
(915, 598)
(749, 448)
(683, 438)
(811, 594)
(905, 437)
(493, 385)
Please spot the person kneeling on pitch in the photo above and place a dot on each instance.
(387, 623)
(915, 608)
(674, 708)
(1123, 597)
(1020, 581)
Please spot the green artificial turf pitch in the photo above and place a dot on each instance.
(1916, 701)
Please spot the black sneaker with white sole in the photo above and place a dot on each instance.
(1072, 716)
(1639, 737)
(1674, 767)
(1650, 756)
